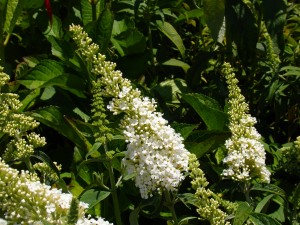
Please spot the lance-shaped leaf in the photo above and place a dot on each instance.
(214, 12)
(208, 109)
(13, 11)
(170, 32)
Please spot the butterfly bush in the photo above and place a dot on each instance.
(155, 152)
(27, 201)
(246, 155)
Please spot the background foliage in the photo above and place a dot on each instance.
(173, 51)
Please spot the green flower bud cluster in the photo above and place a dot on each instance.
(46, 173)
(89, 51)
(17, 125)
(209, 205)
(246, 155)
(290, 160)
(272, 57)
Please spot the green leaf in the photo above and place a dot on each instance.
(186, 220)
(13, 11)
(94, 196)
(48, 93)
(271, 188)
(201, 142)
(262, 219)
(73, 212)
(43, 72)
(127, 39)
(178, 63)
(134, 216)
(263, 203)
(69, 82)
(214, 12)
(208, 109)
(242, 213)
(290, 71)
(280, 212)
(56, 29)
(51, 73)
(52, 117)
(29, 99)
(103, 29)
(60, 48)
(87, 10)
(93, 152)
(33, 4)
(296, 197)
(170, 90)
(194, 13)
(170, 32)
(189, 199)
(184, 129)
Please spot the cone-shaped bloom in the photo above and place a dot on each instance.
(246, 154)
(155, 152)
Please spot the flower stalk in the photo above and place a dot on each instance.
(113, 189)
(170, 203)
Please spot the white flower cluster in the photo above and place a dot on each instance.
(246, 154)
(155, 152)
(27, 201)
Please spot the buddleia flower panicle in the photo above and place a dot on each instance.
(210, 206)
(155, 152)
(27, 201)
(16, 125)
(246, 154)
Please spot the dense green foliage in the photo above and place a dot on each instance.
(173, 51)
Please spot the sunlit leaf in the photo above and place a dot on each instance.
(242, 213)
(94, 196)
(52, 117)
(178, 63)
(208, 109)
(270, 188)
(170, 32)
(262, 219)
(13, 11)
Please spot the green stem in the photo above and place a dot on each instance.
(29, 165)
(170, 204)
(113, 189)
(2, 56)
(247, 192)
(6, 39)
